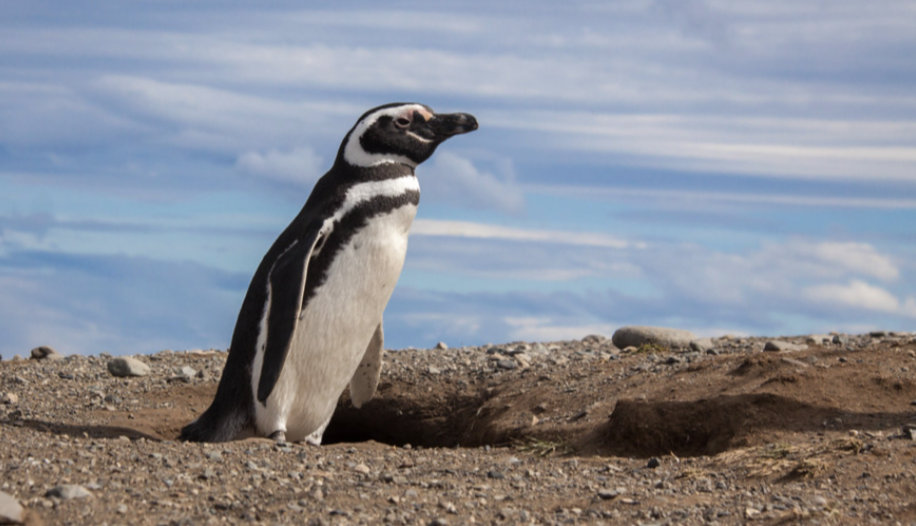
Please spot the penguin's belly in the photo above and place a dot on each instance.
(336, 326)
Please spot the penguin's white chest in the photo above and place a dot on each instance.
(337, 325)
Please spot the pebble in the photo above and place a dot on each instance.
(493, 474)
(779, 346)
(124, 366)
(818, 339)
(635, 336)
(653, 463)
(10, 509)
(538, 349)
(702, 345)
(442, 346)
(608, 494)
(10, 398)
(185, 374)
(507, 364)
(46, 353)
(68, 492)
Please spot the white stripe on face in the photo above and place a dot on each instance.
(353, 151)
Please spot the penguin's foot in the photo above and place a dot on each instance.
(278, 435)
(315, 438)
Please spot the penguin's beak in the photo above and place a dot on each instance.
(445, 125)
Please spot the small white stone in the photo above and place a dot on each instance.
(10, 509)
(124, 366)
(69, 491)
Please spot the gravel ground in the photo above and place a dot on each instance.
(574, 432)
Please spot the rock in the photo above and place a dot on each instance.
(779, 345)
(10, 510)
(442, 346)
(507, 364)
(702, 345)
(124, 366)
(185, 374)
(909, 431)
(818, 339)
(538, 349)
(69, 492)
(493, 474)
(635, 336)
(608, 494)
(10, 398)
(653, 463)
(46, 353)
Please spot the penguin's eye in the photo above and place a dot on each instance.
(402, 122)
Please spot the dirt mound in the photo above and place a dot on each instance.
(700, 427)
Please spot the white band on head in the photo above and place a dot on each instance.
(354, 153)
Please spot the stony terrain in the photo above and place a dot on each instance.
(814, 430)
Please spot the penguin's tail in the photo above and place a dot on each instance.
(215, 425)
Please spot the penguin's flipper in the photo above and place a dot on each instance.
(365, 379)
(286, 286)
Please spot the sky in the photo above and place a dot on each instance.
(726, 167)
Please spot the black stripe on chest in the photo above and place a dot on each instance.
(344, 230)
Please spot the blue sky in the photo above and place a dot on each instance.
(744, 167)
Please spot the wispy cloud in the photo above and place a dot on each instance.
(692, 199)
(300, 166)
(856, 294)
(433, 227)
(455, 180)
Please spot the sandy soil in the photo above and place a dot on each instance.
(574, 432)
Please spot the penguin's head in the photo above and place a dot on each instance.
(406, 133)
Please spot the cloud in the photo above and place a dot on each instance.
(787, 147)
(688, 199)
(116, 304)
(300, 166)
(456, 181)
(857, 294)
(679, 284)
(860, 258)
(466, 229)
(546, 329)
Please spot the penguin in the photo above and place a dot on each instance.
(311, 321)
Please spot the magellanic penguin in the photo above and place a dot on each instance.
(312, 318)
